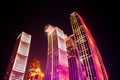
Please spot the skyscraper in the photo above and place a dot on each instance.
(17, 65)
(73, 59)
(93, 67)
(57, 62)
(35, 71)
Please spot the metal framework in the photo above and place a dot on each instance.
(73, 59)
(90, 58)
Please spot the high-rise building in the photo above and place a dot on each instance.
(73, 58)
(35, 72)
(17, 65)
(92, 64)
(57, 62)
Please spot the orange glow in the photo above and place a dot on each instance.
(35, 70)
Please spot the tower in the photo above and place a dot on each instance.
(34, 70)
(57, 63)
(73, 58)
(18, 61)
(93, 67)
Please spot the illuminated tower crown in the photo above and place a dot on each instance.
(91, 60)
(17, 65)
(34, 71)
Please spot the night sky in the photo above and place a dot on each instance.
(32, 17)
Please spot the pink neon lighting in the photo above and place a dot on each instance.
(94, 53)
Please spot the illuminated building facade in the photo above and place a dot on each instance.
(57, 62)
(17, 65)
(34, 71)
(93, 67)
(73, 59)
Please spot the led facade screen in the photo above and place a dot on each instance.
(60, 33)
(20, 63)
(63, 58)
(16, 76)
(25, 38)
(23, 48)
(61, 44)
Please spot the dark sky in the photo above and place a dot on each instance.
(32, 17)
